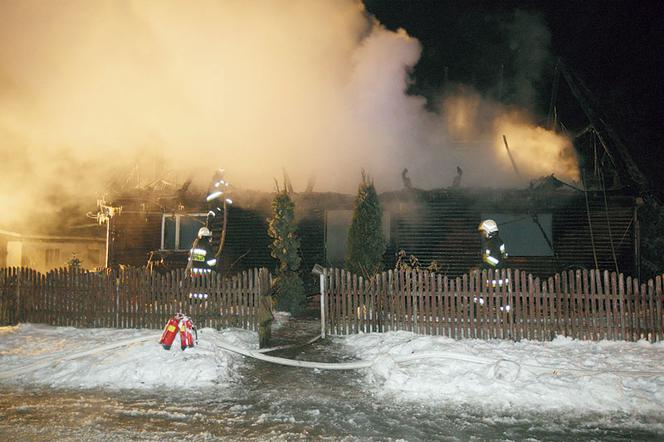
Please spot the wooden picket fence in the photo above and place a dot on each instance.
(590, 305)
(128, 298)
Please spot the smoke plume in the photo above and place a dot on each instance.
(89, 90)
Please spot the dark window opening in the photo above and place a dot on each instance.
(525, 234)
(180, 231)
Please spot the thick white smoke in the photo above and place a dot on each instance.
(89, 89)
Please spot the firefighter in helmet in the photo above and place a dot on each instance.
(201, 259)
(493, 248)
(217, 196)
(201, 255)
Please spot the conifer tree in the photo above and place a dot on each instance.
(285, 247)
(366, 243)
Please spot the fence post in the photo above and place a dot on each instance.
(322, 302)
(322, 275)
(19, 274)
(264, 309)
(117, 300)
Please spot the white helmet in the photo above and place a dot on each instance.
(204, 231)
(488, 226)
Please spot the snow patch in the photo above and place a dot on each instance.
(41, 354)
(561, 375)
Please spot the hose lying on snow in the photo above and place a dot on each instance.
(400, 359)
(256, 354)
(283, 347)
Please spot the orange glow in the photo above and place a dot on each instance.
(536, 151)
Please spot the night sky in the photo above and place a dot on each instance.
(616, 47)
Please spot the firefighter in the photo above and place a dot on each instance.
(201, 260)
(494, 255)
(217, 196)
(201, 255)
(493, 248)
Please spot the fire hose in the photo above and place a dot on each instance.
(412, 357)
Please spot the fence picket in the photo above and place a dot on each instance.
(337, 304)
(354, 305)
(612, 304)
(492, 303)
(651, 311)
(493, 275)
(329, 297)
(659, 300)
(472, 315)
(484, 301)
(359, 294)
(506, 315)
(379, 307)
(629, 302)
(544, 295)
(462, 306)
(523, 291)
(452, 312)
(592, 294)
(342, 302)
(349, 303)
(645, 311)
(390, 300)
(476, 304)
(407, 312)
(601, 306)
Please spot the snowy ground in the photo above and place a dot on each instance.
(461, 390)
(563, 375)
(89, 358)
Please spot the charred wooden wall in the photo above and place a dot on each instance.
(132, 235)
(248, 244)
(443, 226)
(432, 225)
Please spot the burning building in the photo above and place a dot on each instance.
(547, 228)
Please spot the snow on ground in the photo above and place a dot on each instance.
(89, 358)
(562, 375)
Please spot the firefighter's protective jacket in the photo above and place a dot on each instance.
(201, 256)
(493, 251)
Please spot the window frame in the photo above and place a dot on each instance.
(521, 216)
(177, 217)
